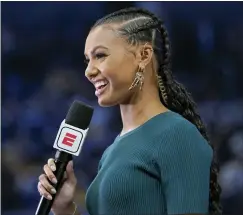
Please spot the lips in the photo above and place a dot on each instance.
(100, 86)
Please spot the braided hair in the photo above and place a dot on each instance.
(139, 26)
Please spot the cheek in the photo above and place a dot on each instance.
(119, 79)
(118, 72)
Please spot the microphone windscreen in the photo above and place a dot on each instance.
(79, 115)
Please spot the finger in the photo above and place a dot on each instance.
(50, 174)
(45, 183)
(65, 175)
(51, 164)
(43, 191)
(62, 182)
(70, 173)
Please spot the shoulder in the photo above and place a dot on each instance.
(172, 124)
(183, 138)
(180, 129)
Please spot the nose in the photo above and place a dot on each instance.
(91, 71)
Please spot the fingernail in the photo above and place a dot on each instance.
(53, 191)
(49, 197)
(54, 180)
(53, 168)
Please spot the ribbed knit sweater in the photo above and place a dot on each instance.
(159, 168)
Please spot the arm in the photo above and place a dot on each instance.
(70, 210)
(184, 160)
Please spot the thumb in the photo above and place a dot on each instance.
(70, 173)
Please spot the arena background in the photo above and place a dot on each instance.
(43, 72)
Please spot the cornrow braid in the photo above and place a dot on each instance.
(138, 25)
(123, 12)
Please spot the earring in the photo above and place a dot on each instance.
(162, 89)
(139, 79)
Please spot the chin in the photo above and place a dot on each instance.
(106, 102)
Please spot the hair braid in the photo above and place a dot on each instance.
(123, 12)
(181, 101)
(139, 27)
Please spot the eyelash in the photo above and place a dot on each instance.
(86, 61)
(97, 56)
(100, 55)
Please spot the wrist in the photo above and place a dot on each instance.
(70, 209)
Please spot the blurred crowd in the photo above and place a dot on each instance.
(43, 72)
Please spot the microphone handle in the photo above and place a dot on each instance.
(61, 161)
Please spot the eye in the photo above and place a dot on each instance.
(100, 55)
(86, 61)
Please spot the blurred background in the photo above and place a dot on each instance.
(43, 72)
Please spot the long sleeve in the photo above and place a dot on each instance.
(162, 167)
(184, 162)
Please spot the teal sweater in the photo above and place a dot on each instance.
(160, 168)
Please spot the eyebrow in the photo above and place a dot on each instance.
(95, 48)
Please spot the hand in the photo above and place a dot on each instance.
(65, 196)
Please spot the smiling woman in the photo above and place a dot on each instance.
(111, 63)
(162, 161)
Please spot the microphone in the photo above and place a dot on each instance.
(68, 142)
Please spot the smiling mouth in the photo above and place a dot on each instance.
(99, 90)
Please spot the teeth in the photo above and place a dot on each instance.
(100, 83)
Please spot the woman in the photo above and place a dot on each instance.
(161, 161)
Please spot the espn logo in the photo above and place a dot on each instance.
(69, 139)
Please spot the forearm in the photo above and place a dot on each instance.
(70, 210)
(67, 213)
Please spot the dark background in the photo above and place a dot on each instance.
(43, 72)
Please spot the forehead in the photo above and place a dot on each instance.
(102, 35)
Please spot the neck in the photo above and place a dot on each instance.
(137, 113)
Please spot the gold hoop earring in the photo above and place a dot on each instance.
(162, 89)
(139, 79)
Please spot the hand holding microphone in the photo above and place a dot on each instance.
(56, 188)
(63, 202)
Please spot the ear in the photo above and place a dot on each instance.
(145, 54)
